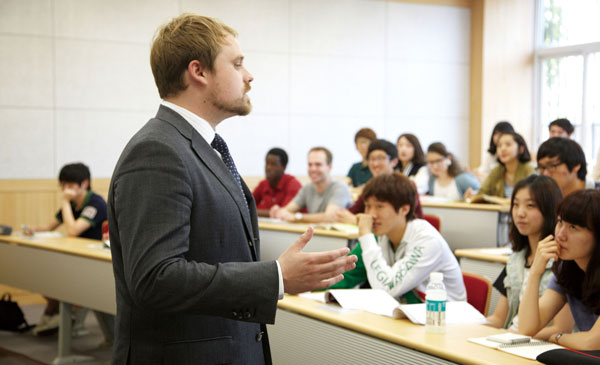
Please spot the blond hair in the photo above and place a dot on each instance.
(186, 38)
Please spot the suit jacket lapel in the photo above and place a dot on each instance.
(207, 155)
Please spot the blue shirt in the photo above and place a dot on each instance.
(584, 318)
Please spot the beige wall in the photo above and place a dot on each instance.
(501, 82)
(508, 31)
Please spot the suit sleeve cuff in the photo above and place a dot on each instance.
(280, 280)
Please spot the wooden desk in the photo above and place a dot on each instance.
(72, 270)
(306, 333)
(467, 225)
(276, 237)
(489, 265)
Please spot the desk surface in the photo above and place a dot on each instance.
(301, 227)
(452, 345)
(71, 245)
(464, 205)
(483, 254)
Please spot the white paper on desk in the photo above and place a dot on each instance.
(369, 300)
(319, 296)
(346, 228)
(50, 234)
(529, 350)
(456, 313)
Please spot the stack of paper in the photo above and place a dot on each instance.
(380, 302)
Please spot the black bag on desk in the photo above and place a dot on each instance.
(11, 316)
(568, 356)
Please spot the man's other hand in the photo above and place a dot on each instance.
(305, 271)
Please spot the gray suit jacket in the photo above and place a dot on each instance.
(190, 286)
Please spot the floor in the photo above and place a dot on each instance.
(45, 349)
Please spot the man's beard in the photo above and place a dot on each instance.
(237, 107)
(241, 106)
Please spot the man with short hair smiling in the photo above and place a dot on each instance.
(278, 188)
(322, 197)
(396, 250)
(563, 160)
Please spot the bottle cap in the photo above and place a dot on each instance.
(436, 276)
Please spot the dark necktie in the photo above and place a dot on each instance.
(219, 144)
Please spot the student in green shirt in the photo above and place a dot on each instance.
(359, 172)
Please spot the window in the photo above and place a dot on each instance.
(568, 70)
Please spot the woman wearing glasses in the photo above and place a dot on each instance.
(447, 179)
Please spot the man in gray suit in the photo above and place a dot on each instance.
(191, 288)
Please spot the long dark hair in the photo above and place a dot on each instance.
(582, 208)
(547, 195)
(502, 127)
(419, 155)
(438, 147)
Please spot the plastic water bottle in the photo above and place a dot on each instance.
(435, 297)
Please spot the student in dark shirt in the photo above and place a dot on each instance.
(359, 172)
(82, 213)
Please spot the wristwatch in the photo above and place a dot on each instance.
(298, 216)
(557, 337)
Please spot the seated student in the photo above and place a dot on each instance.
(396, 251)
(563, 160)
(447, 179)
(322, 197)
(514, 166)
(576, 279)
(533, 211)
(490, 159)
(278, 188)
(82, 212)
(382, 159)
(359, 172)
(412, 161)
(561, 128)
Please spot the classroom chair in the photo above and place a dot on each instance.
(434, 220)
(479, 290)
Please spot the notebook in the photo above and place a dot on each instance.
(529, 350)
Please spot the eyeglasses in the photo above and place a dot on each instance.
(379, 158)
(550, 168)
(435, 162)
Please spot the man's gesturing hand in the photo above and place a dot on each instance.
(304, 271)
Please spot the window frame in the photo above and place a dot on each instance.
(541, 53)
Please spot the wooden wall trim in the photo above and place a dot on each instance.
(476, 84)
